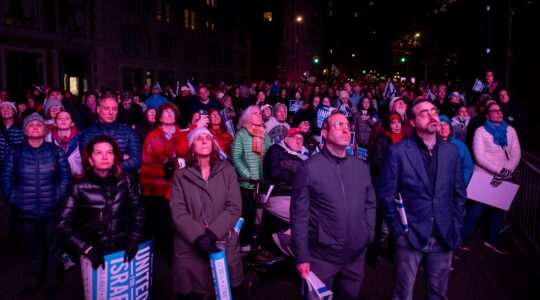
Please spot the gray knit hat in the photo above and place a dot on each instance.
(196, 132)
(50, 103)
(10, 104)
(33, 117)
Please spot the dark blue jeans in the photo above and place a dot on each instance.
(474, 211)
(39, 236)
(436, 259)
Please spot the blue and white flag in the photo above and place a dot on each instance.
(478, 86)
(191, 86)
(402, 215)
(389, 90)
(430, 96)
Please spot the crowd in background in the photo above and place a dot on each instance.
(188, 160)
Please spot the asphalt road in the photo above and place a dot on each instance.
(478, 274)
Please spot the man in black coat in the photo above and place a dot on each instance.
(333, 212)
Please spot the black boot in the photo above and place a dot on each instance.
(33, 286)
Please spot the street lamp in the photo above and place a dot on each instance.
(299, 19)
(417, 35)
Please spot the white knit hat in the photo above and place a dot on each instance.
(196, 132)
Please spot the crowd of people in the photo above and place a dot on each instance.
(351, 166)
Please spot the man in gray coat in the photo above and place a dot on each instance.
(333, 212)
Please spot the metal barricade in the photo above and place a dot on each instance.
(525, 210)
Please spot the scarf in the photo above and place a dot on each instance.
(257, 145)
(395, 137)
(498, 132)
(63, 142)
(303, 155)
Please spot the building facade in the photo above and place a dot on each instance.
(79, 45)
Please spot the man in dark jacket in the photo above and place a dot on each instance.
(280, 164)
(34, 178)
(333, 212)
(125, 136)
(425, 173)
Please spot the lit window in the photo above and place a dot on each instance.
(330, 3)
(330, 13)
(158, 10)
(267, 16)
(207, 24)
(192, 23)
(167, 12)
(212, 26)
(186, 18)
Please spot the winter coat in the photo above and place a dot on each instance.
(219, 201)
(466, 159)
(104, 212)
(362, 129)
(248, 164)
(144, 130)
(13, 135)
(156, 149)
(5, 215)
(125, 136)
(35, 179)
(133, 116)
(154, 101)
(491, 158)
(224, 139)
(332, 209)
(280, 166)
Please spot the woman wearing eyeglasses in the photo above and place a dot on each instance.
(496, 152)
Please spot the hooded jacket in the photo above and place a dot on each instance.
(464, 153)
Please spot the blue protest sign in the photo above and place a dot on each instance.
(119, 280)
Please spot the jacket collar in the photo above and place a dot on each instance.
(194, 174)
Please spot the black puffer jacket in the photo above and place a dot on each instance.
(105, 212)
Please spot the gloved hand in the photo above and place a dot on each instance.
(131, 250)
(206, 243)
(505, 174)
(496, 181)
(96, 258)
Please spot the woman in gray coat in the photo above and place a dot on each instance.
(205, 204)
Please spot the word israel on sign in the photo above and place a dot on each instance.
(119, 280)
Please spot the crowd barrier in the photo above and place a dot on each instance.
(524, 214)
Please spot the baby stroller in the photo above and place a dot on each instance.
(263, 256)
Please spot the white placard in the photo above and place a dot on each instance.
(480, 190)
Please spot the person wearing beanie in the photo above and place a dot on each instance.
(205, 204)
(43, 176)
(11, 132)
(399, 105)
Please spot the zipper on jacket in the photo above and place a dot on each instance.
(344, 200)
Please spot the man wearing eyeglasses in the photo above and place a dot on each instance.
(333, 212)
(426, 173)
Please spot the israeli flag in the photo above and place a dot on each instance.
(389, 90)
(430, 96)
(478, 86)
(401, 211)
(191, 86)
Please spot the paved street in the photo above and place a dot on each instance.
(478, 274)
